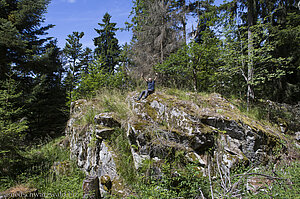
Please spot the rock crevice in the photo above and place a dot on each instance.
(202, 129)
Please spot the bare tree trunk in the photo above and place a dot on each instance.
(195, 79)
(184, 29)
(250, 16)
(161, 52)
(184, 22)
(73, 79)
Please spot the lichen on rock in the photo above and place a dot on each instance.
(202, 129)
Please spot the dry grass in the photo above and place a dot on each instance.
(19, 189)
(114, 101)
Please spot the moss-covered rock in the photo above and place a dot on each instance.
(171, 128)
(106, 183)
(164, 123)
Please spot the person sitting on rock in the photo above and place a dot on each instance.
(151, 86)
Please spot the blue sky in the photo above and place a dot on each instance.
(84, 16)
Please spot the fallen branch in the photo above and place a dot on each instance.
(201, 193)
(223, 184)
(233, 187)
(211, 189)
(260, 174)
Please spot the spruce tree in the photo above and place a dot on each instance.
(264, 36)
(74, 54)
(47, 110)
(20, 31)
(86, 60)
(107, 45)
(12, 126)
(32, 61)
(154, 34)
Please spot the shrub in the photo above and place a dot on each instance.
(40, 172)
(175, 182)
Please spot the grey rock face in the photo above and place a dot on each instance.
(107, 163)
(106, 119)
(171, 124)
(162, 126)
(89, 149)
(297, 134)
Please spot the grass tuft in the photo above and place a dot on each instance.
(113, 101)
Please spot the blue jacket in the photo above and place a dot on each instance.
(151, 85)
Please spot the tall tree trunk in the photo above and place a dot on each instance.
(184, 22)
(195, 78)
(3, 63)
(250, 17)
(161, 52)
(73, 79)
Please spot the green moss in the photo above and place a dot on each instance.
(106, 182)
(240, 166)
(207, 129)
(94, 140)
(221, 132)
(193, 157)
(124, 160)
(140, 125)
(82, 129)
(151, 111)
(117, 186)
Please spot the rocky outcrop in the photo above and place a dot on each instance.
(164, 124)
(87, 143)
(202, 129)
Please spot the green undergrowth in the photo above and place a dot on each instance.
(124, 159)
(114, 100)
(286, 184)
(280, 181)
(50, 170)
(88, 118)
(105, 100)
(185, 94)
(262, 111)
(181, 94)
(173, 182)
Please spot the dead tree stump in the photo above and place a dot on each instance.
(90, 188)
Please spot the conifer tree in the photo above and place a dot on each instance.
(86, 60)
(47, 110)
(20, 28)
(154, 34)
(34, 65)
(107, 45)
(74, 54)
(181, 7)
(260, 30)
(12, 126)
